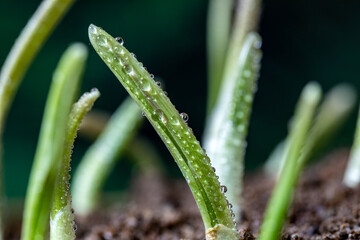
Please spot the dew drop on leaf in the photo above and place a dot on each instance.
(120, 40)
(223, 189)
(133, 55)
(184, 117)
(128, 68)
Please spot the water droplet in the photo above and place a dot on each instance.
(158, 84)
(223, 189)
(184, 117)
(229, 205)
(152, 76)
(174, 120)
(145, 86)
(75, 227)
(214, 170)
(163, 118)
(165, 93)
(143, 113)
(133, 55)
(120, 40)
(72, 211)
(232, 215)
(128, 68)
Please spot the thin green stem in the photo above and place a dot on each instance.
(20, 57)
(218, 32)
(279, 202)
(62, 225)
(171, 127)
(247, 16)
(26, 47)
(49, 151)
(333, 112)
(101, 157)
(352, 172)
(225, 135)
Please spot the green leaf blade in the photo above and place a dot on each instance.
(280, 200)
(62, 225)
(31, 39)
(101, 157)
(50, 144)
(226, 130)
(166, 120)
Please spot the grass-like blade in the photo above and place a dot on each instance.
(279, 202)
(225, 135)
(101, 157)
(26, 47)
(218, 33)
(331, 116)
(50, 147)
(171, 127)
(246, 20)
(20, 57)
(352, 172)
(62, 225)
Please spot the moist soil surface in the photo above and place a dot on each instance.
(323, 208)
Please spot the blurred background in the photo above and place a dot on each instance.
(302, 41)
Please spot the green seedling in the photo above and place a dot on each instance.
(352, 172)
(62, 225)
(173, 129)
(230, 97)
(27, 45)
(101, 157)
(225, 137)
(279, 202)
(330, 117)
(218, 32)
(31, 39)
(49, 153)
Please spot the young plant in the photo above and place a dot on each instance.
(19, 59)
(218, 32)
(173, 130)
(331, 116)
(62, 225)
(26, 47)
(49, 153)
(226, 142)
(101, 157)
(227, 122)
(279, 202)
(352, 173)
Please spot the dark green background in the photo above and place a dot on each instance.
(302, 41)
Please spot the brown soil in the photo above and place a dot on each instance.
(162, 209)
